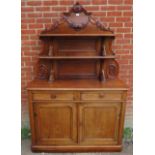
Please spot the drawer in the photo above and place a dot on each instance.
(62, 96)
(101, 95)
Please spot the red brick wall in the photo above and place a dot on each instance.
(37, 14)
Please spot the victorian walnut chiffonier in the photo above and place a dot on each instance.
(76, 100)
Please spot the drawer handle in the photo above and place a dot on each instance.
(101, 95)
(53, 96)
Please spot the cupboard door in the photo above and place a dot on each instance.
(55, 123)
(98, 123)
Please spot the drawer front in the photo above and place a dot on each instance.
(61, 96)
(101, 96)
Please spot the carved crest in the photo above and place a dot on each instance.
(78, 18)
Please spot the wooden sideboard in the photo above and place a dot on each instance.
(76, 100)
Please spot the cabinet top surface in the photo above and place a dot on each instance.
(77, 85)
(64, 30)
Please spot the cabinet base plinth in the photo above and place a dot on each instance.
(107, 148)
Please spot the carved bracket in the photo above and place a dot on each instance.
(42, 72)
(110, 69)
(107, 47)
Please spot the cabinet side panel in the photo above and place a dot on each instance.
(31, 116)
(122, 117)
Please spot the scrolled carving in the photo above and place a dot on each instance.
(54, 26)
(99, 24)
(43, 72)
(111, 69)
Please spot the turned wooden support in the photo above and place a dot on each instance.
(102, 76)
(51, 75)
(50, 53)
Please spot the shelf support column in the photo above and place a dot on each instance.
(51, 76)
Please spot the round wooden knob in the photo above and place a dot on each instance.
(53, 96)
(101, 95)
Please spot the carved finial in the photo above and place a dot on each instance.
(77, 8)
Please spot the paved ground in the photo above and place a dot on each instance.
(127, 150)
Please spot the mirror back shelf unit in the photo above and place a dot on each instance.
(76, 101)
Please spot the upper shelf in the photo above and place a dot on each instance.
(76, 57)
(76, 34)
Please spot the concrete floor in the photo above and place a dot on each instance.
(127, 150)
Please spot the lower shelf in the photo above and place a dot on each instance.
(106, 148)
